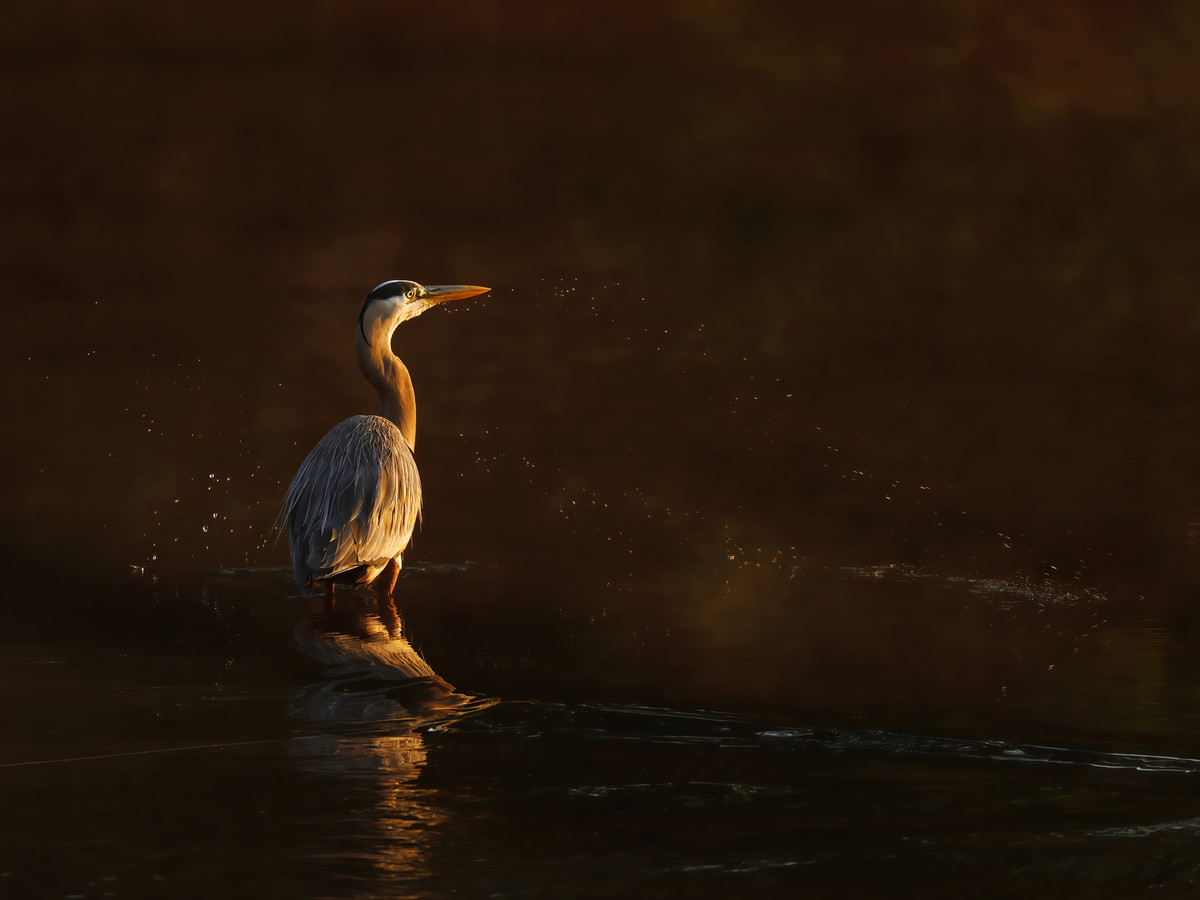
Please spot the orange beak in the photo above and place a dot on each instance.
(440, 293)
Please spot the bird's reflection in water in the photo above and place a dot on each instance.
(374, 669)
(366, 715)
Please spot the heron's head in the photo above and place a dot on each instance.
(393, 302)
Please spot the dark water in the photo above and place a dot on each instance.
(811, 507)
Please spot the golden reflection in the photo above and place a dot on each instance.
(366, 712)
(362, 639)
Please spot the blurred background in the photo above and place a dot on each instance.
(839, 364)
(828, 272)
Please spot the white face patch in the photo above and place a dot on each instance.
(380, 316)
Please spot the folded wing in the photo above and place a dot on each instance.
(354, 501)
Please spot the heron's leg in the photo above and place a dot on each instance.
(326, 591)
(386, 580)
(388, 615)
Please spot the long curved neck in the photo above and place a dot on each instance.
(390, 377)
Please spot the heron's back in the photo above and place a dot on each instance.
(354, 501)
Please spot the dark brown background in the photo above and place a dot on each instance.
(840, 362)
(959, 239)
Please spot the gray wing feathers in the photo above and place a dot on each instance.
(354, 501)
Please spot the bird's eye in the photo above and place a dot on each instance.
(412, 294)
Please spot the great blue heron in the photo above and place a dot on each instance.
(351, 509)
